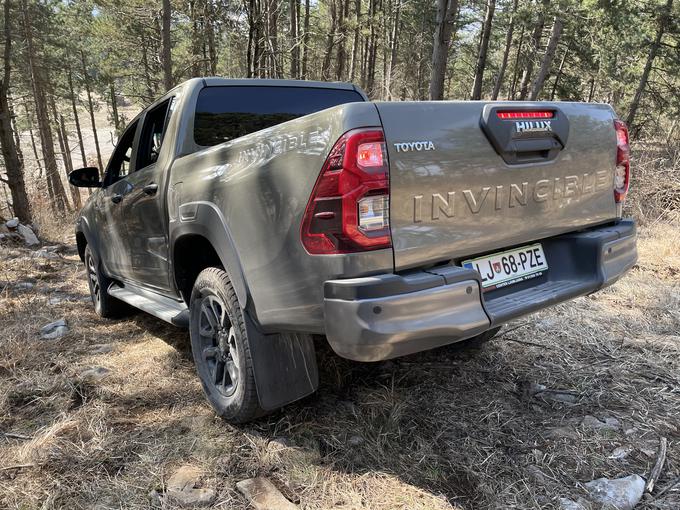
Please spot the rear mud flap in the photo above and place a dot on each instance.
(284, 366)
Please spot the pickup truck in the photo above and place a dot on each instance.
(260, 214)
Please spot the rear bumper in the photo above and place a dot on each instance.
(381, 317)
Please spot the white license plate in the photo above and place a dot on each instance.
(512, 266)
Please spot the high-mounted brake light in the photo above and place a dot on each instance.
(622, 175)
(522, 114)
(348, 210)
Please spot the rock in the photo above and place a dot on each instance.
(181, 488)
(155, 498)
(44, 254)
(536, 474)
(565, 432)
(192, 497)
(3, 229)
(263, 495)
(356, 441)
(591, 422)
(13, 223)
(54, 330)
(569, 504)
(24, 285)
(101, 348)
(621, 452)
(29, 237)
(620, 493)
(95, 373)
(186, 477)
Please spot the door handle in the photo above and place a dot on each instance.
(150, 189)
(116, 198)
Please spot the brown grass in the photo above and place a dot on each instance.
(444, 429)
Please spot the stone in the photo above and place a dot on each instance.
(263, 495)
(29, 237)
(591, 422)
(569, 504)
(186, 477)
(24, 285)
(192, 497)
(13, 223)
(621, 452)
(355, 441)
(620, 493)
(54, 330)
(101, 348)
(44, 254)
(95, 373)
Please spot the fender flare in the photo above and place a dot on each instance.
(91, 238)
(206, 220)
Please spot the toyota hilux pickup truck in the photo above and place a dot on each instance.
(261, 214)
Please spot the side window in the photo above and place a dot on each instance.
(153, 132)
(119, 164)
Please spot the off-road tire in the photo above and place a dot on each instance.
(213, 287)
(105, 305)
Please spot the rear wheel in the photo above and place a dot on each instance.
(106, 306)
(220, 347)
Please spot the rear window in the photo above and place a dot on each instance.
(225, 113)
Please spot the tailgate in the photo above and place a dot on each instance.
(465, 181)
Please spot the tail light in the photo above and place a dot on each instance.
(348, 210)
(622, 175)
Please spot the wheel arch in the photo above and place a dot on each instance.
(201, 239)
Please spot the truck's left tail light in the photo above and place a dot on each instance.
(348, 210)
(622, 173)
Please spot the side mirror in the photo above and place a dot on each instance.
(87, 177)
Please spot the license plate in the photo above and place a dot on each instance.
(512, 266)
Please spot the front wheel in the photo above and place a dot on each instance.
(220, 347)
(105, 305)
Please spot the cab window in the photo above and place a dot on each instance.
(120, 162)
(153, 132)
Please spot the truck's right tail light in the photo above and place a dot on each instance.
(348, 210)
(622, 175)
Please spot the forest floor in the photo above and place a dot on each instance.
(584, 390)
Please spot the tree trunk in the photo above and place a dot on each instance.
(355, 43)
(555, 35)
(446, 17)
(515, 71)
(166, 55)
(483, 50)
(535, 45)
(33, 144)
(210, 37)
(90, 104)
(342, 42)
(54, 184)
(8, 145)
(305, 42)
(330, 42)
(295, 50)
(114, 109)
(662, 25)
(68, 161)
(506, 53)
(394, 43)
(76, 119)
(559, 74)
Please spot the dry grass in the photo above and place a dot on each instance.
(444, 429)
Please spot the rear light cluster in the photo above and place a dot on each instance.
(348, 210)
(523, 114)
(622, 175)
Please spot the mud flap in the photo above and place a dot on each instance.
(284, 366)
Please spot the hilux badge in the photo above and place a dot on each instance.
(527, 126)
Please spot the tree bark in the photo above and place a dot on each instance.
(10, 149)
(295, 50)
(559, 74)
(68, 161)
(355, 43)
(662, 25)
(515, 71)
(54, 185)
(446, 17)
(394, 44)
(483, 50)
(305, 42)
(535, 45)
(330, 42)
(76, 119)
(506, 53)
(33, 144)
(114, 108)
(555, 34)
(90, 104)
(166, 56)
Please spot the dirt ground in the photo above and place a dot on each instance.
(447, 429)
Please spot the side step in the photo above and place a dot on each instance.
(170, 310)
